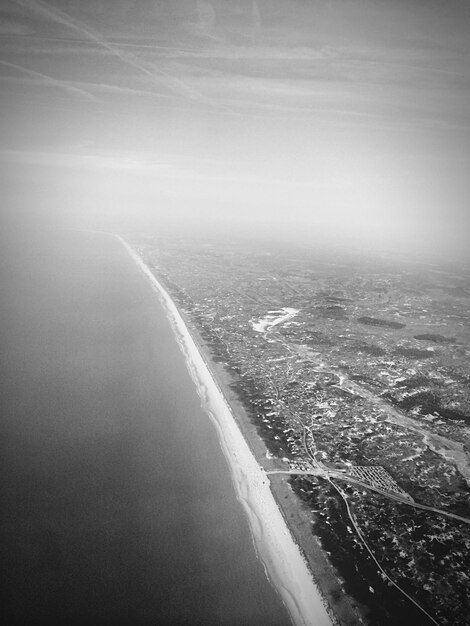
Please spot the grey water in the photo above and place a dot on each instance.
(117, 505)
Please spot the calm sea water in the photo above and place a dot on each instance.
(117, 505)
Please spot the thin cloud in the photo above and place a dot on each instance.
(204, 27)
(77, 44)
(128, 161)
(45, 79)
(38, 44)
(9, 27)
(82, 88)
(126, 91)
(306, 83)
(63, 18)
(256, 16)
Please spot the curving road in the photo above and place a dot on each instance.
(323, 473)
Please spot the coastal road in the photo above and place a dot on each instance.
(323, 473)
(328, 476)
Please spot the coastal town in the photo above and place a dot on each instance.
(354, 373)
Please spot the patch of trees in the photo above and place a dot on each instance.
(370, 349)
(435, 337)
(428, 402)
(335, 312)
(414, 353)
(414, 381)
(374, 321)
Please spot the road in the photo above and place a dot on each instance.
(340, 476)
(320, 470)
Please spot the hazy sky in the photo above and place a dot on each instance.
(331, 117)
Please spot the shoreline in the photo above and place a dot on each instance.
(342, 609)
(277, 547)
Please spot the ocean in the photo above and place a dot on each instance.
(117, 502)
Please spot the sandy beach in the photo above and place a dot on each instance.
(281, 556)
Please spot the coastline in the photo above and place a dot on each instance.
(278, 548)
(342, 609)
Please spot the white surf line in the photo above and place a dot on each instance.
(283, 561)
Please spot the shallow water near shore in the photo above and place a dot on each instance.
(118, 506)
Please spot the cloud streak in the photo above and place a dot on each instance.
(124, 161)
(60, 17)
(45, 79)
(250, 80)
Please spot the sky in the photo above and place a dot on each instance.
(343, 120)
